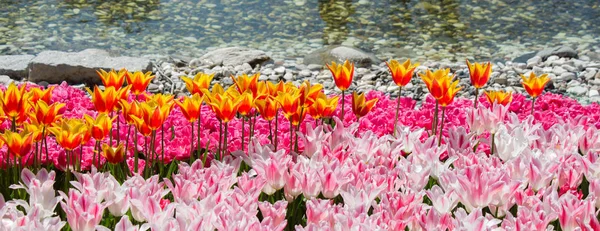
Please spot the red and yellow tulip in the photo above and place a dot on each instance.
(37, 94)
(47, 114)
(130, 109)
(437, 82)
(244, 83)
(360, 106)
(104, 101)
(19, 144)
(69, 133)
(113, 155)
(199, 82)
(479, 73)
(14, 101)
(190, 107)
(499, 97)
(289, 103)
(112, 78)
(267, 108)
(138, 81)
(153, 115)
(534, 85)
(225, 107)
(401, 73)
(323, 106)
(342, 74)
(100, 127)
(450, 94)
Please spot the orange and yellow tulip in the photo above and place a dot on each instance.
(190, 107)
(360, 106)
(342, 74)
(69, 133)
(401, 73)
(437, 82)
(479, 73)
(35, 129)
(225, 108)
(297, 117)
(499, 97)
(14, 101)
(112, 78)
(37, 94)
(163, 100)
(309, 93)
(450, 94)
(141, 126)
(323, 106)
(19, 144)
(245, 82)
(289, 103)
(47, 114)
(246, 103)
(198, 83)
(99, 127)
(267, 108)
(130, 109)
(113, 155)
(138, 81)
(153, 115)
(534, 85)
(104, 101)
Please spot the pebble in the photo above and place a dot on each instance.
(577, 90)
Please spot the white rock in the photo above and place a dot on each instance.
(593, 93)
(577, 90)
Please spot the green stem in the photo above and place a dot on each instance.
(532, 105)
(291, 136)
(476, 97)
(110, 134)
(270, 132)
(492, 145)
(198, 140)
(96, 150)
(162, 146)
(135, 153)
(435, 118)
(343, 103)
(442, 126)
(127, 139)
(276, 123)
(225, 141)
(397, 110)
(118, 129)
(192, 144)
(220, 138)
(243, 130)
(80, 158)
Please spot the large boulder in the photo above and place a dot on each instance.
(80, 67)
(15, 66)
(340, 54)
(560, 51)
(233, 56)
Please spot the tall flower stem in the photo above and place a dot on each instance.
(220, 139)
(153, 150)
(291, 137)
(96, 150)
(127, 138)
(162, 145)
(80, 158)
(276, 132)
(110, 134)
(343, 102)
(476, 97)
(118, 129)
(243, 131)
(442, 126)
(225, 141)
(492, 149)
(435, 117)
(532, 105)
(198, 133)
(270, 132)
(135, 153)
(192, 144)
(397, 110)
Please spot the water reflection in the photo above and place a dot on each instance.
(126, 14)
(335, 14)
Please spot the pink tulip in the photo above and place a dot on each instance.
(276, 212)
(84, 213)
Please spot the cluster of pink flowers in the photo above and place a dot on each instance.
(544, 173)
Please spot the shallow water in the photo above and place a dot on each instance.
(435, 29)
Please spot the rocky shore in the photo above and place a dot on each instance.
(574, 72)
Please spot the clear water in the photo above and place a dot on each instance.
(294, 27)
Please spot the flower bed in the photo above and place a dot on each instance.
(488, 167)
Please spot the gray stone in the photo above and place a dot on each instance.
(315, 67)
(234, 56)
(280, 70)
(5, 80)
(304, 73)
(523, 58)
(593, 93)
(15, 66)
(567, 76)
(577, 90)
(288, 76)
(80, 67)
(340, 54)
(535, 60)
(560, 51)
